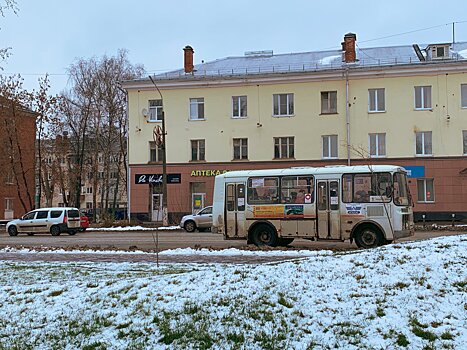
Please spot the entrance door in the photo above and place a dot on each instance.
(235, 210)
(328, 204)
(156, 207)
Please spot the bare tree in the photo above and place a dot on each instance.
(6, 5)
(94, 113)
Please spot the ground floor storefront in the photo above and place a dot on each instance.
(438, 185)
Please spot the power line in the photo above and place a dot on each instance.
(400, 34)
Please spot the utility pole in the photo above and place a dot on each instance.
(165, 214)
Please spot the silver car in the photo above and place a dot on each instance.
(201, 221)
(53, 220)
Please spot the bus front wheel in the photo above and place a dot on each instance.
(368, 237)
(264, 235)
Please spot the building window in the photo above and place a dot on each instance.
(422, 97)
(283, 105)
(464, 95)
(376, 100)
(196, 108)
(240, 148)
(425, 190)
(155, 110)
(328, 102)
(239, 105)
(329, 146)
(197, 150)
(377, 145)
(423, 143)
(464, 138)
(88, 205)
(283, 147)
(9, 204)
(155, 152)
(10, 178)
(89, 190)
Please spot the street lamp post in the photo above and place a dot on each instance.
(165, 214)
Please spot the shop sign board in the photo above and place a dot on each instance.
(157, 178)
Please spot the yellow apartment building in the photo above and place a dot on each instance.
(401, 105)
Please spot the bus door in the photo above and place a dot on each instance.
(328, 203)
(235, 201)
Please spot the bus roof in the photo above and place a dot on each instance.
(334, 169)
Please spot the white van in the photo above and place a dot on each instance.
(53, 220)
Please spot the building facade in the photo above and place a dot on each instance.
(17, 163)
(102, 182)
(390, 105)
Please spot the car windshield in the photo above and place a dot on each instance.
(401, 192)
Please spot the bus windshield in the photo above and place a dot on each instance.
(401, 192)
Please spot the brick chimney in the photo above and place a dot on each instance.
(188, 59)
(348, 46)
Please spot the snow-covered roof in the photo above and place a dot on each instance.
(307, 61)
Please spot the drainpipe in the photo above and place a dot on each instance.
(347, 112)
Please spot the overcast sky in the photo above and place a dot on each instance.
(47, 36)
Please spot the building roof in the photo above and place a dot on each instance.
(264, 62)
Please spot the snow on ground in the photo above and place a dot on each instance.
(402, 296)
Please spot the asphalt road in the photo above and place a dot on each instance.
(145, 240)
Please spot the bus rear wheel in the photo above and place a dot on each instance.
(264, 235)
(368, 237)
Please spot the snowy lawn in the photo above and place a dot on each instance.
(402, 296)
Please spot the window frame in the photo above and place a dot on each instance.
(464, 142)
(289, 146)
(156, 150)
(238, 103)
(377, 137)
(157, 108)
(290, 105)
(242, 148)
(463, 96)
(198, 149)
(377, 96)
(198, 102)
(328, 96)
(423, 89)
(329, 137)
(423, 154)
(424, 181)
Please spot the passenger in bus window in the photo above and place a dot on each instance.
(300, 197)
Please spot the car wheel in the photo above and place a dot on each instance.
(190, 226)
(12, 231)
(368, 237)
(284, 242)
(72, 233)
(55, 231)
(264, 235)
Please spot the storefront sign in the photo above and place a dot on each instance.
(207, 172)
(415, 171)
(157, 178)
